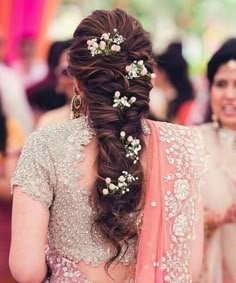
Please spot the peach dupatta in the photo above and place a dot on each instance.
(171, 239)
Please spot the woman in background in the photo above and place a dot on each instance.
(173, 93)
(219, 194)
(44, 96)
(64, 84)
(11, 142)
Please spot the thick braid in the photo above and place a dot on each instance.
(100, 77)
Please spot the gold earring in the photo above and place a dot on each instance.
(215, 121)
(75, 104)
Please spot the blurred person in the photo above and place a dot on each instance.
(172, 97)
(11, 142)
(44, 96)
(12, 94)
(201, 101)
(108, 185)
(2, 46)
(30, 69)
(219, 194)
(64, 85)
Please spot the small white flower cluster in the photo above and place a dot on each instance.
(122, 186)
(122, 102)
(132, 146)
(137, 69)
(106, 44)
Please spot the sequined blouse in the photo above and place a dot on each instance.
(48, 171)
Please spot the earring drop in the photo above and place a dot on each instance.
(215, 121)
(75, 104)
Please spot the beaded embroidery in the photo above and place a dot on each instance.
(182, 148)
(66, 270)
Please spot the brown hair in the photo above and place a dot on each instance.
(99, 77)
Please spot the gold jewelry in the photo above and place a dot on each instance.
(75, 104)
(232, 64)
(215, 121)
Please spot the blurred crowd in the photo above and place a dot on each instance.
(34, 94)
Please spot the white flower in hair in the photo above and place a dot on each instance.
(132, 146)
(122, 102)
(94, 47)
(137, 69)
(122, 185)
(106, 44)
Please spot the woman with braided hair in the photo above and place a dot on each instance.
(116, 195)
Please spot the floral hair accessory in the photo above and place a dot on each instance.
(132, 146)
(106, 44)
(122, 102)
(122, 185)
(137, 69)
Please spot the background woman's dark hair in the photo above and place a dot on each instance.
(3, 131)
(224, 54)
(176, 69)
(44, 95)
(99, 77)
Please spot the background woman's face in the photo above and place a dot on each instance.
(64, 81)
(223, 95)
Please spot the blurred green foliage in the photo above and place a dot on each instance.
(208, 21)
(189, 15)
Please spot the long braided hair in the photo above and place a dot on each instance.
(99, 78)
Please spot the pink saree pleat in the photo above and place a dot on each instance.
(171, 234)
(151, 236)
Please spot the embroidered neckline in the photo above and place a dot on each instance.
(145, 127)
(227, 136)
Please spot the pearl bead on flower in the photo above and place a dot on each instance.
(102, 45)
(153, 204)
(117, 94)
(122, 134)
(132, 99)
(105, 191)
(130, 138)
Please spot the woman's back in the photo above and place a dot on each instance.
(62, 179)
(65, 188)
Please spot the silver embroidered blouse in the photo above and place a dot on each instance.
(48, 171)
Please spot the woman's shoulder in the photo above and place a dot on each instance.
(179, 146)
(206, 131)
(61, 134)
(205, 128)
(177, 136)
(172, 129)
(55, 116)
